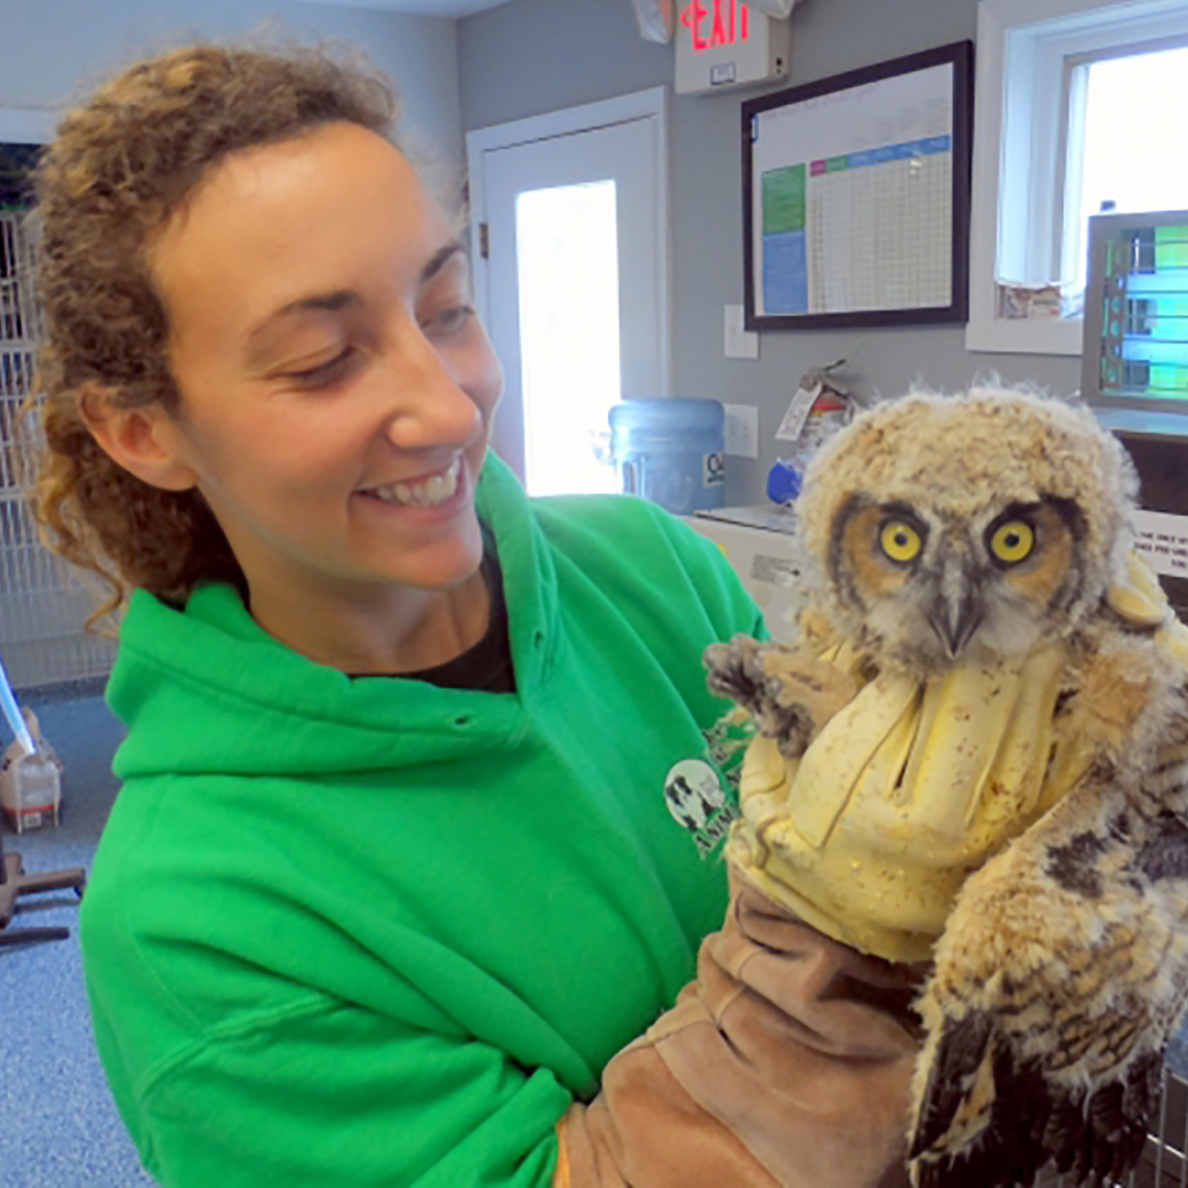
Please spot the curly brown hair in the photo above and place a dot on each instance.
(117, 171)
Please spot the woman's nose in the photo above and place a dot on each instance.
(429, 406)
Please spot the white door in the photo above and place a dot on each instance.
(571, 272)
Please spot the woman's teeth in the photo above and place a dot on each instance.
(433, 491)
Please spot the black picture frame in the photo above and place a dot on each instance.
(960, 56)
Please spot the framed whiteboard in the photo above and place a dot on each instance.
(856, 196)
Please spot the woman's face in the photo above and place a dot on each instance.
(336, 386)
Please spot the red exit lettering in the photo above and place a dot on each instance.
(716, 22)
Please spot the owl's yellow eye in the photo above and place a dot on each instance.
(1012, 542)
(900, 541)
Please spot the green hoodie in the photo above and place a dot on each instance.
(370, 931)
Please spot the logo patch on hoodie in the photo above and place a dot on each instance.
(694, 795)
(702, 794)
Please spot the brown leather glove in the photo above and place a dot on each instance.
(788, 1061)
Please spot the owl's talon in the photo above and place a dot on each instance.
(739, 670)
(732, 671)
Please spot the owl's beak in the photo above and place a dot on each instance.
(955, 621)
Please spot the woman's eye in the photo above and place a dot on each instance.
(324, 373)
(449, 320)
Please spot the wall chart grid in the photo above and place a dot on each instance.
(856, 196)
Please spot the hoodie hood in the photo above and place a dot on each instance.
(207, 690)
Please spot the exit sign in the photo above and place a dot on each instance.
(722, 44)
(716, 23)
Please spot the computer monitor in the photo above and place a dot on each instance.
(1135, 353)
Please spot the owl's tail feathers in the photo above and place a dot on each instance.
(980, 1126)
(990, 1120)
(953, 1077)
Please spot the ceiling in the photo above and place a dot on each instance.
(437, 8)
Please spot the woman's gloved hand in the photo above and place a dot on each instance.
(789, 1060)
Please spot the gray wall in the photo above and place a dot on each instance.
(57, 50)
(533, 56)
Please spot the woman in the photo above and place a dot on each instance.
(392, 875)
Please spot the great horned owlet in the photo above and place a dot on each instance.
(1001, 789)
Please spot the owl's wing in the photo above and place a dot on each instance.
(1060, 976)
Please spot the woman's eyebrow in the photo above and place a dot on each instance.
(342, 299)
(441, 258)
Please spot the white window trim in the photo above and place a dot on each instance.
(26, 125)
(1040, 34)
(604, 113)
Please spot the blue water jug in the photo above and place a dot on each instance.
(671, 451)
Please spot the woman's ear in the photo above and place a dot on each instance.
(145, 441)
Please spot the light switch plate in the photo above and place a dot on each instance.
(742, 430)
(740, 343)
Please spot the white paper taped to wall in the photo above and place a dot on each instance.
(792, 426)
(1162, 538)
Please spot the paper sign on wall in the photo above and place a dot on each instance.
(792, 426)
(1162, 538)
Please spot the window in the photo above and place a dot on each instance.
(1065, 95)
(1118, 153)
(568, 252)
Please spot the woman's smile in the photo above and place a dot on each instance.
(441, 494)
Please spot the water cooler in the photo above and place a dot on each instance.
(671, 451)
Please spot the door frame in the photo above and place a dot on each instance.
(652, 103)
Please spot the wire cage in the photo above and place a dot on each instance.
(1165, 1161)
(43, 601)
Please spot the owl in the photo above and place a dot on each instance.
(976, 755)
